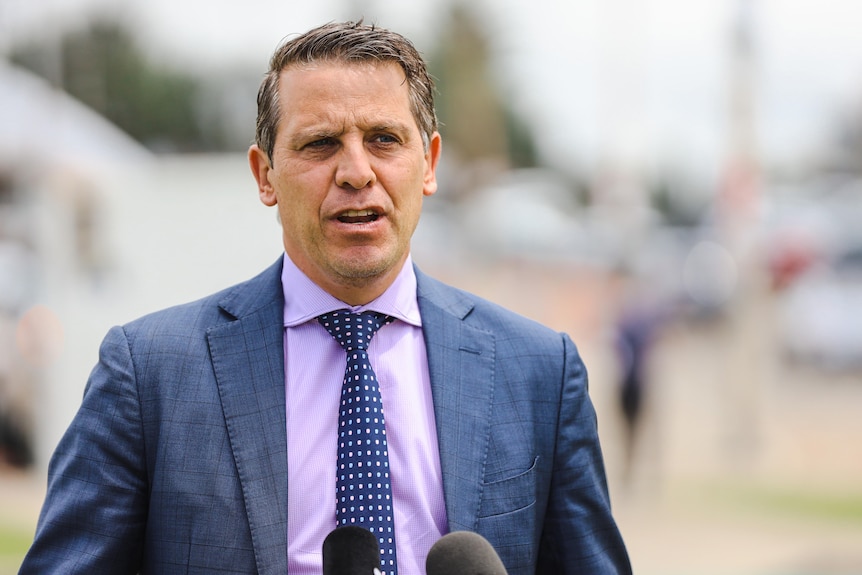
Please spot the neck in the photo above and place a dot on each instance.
(354, 289)
(360, 290)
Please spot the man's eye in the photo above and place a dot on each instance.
(385, 139)
(320, 143)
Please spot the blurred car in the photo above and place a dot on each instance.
(821, 314)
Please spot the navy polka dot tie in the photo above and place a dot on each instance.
(364, 493)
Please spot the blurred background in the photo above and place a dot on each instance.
(675, 183)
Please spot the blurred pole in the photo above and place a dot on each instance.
(740, 190)
(738, 211)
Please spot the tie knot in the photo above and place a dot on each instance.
(353, 330)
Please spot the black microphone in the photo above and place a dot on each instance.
(351, 550)
(463, 553)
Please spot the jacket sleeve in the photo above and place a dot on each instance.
(95, 511)
(579, 533)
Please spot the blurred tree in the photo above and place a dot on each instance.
(476, 121)
(103, 67)
(678, 200)
(522, 147)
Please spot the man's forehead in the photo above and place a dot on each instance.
(329, 80)
(329, 107)
(381, 80)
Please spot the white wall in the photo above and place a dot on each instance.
(174, 231)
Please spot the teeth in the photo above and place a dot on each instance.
(357, 213)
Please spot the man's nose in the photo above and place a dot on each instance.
(354, 168)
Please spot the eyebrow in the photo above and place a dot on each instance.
(313, 132)
(302, 136)
(392, 127)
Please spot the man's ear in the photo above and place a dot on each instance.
(432, 157)
(258, 161)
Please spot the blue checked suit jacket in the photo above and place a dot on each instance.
(176, 461)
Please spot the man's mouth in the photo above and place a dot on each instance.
(358, 217)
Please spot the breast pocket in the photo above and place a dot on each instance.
(509, 494)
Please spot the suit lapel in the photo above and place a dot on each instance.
(248, 360)
(461, 366)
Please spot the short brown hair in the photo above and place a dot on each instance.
(349, 42)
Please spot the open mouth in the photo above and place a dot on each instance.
(358, 217)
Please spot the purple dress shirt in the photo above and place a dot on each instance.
(313, 372)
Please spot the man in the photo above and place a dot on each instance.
(206, 441)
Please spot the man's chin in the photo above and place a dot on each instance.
(363, 267)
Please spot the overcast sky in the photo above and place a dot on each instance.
(641, 80)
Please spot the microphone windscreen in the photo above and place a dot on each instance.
(350, 550)
(463, 553)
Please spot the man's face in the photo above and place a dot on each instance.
(348, 173)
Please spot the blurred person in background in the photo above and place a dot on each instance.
(16, 285)
(634, 336)
(639, 324)
(207, 437)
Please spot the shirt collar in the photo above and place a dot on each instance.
(305, 300)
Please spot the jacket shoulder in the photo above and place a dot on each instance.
(480, 312)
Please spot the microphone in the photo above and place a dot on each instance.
(351, 550)
(463, 553)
